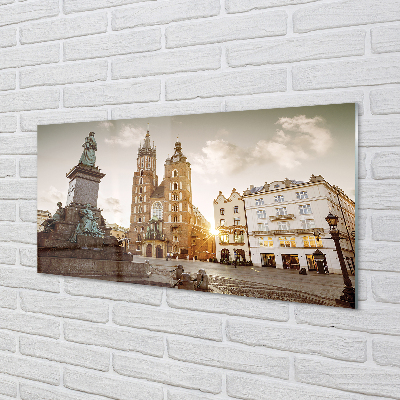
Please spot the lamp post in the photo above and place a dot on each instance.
(348, 297)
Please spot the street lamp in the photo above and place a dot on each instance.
(348, 297)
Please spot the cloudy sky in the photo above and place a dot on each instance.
(226, 150)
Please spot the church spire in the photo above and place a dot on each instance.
(146, 149)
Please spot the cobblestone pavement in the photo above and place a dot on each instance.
(267, 283)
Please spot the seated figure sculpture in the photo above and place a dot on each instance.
(87, 225)
(59, 215)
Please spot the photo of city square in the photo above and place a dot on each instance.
(251, 203)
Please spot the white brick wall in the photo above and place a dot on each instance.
(72, 61)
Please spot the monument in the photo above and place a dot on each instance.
(75, 240)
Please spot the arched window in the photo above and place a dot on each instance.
(139, 237)
(140, 190)
(175, 207)
(175, 219)
(222, 211)
(174, 173)
(156, 210)
(140, 199)
(141, 172)
(140, 181)
(175, 197)
(175, 186)
(140, 209)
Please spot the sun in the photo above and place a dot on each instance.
(214, 231)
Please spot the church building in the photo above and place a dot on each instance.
(163, 218)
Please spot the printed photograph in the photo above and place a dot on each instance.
(251, 203)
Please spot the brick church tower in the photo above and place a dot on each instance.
(178, 198)
(145, 180)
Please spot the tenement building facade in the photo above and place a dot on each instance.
(163, 219)
(286, 224)
(230, 220)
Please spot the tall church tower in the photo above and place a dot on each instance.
(145, 180)
(177, 214)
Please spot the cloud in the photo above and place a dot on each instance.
(106, 125)
(299, 138)
(111, 205)
(128, 136)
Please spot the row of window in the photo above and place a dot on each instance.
(304, 209)
(238, 237)
(308, 241)
(284, 225)
(280, 198)
(236, 221)
(235, 210)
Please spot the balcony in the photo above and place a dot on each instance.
(309, 231)
(281, 217)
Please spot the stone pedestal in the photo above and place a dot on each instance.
(84, 185)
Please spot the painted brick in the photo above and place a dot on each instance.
(231, 305)
(30, 55)
(385, 227)
(385, 101)
(8, 298)
(184, 395)
(314, 47)
(28, 256)
(28, 323)
(29, 121)
(350, 377)
(385, 165)
(299, 100)
(375, 257)
(28, 167)
(28, 279)
(3, 2)
(114, 291)
(166, 63)
(234, 6)
(385, 39)
(112, 44)
(362, 168)
(8, 123)
(229, 357)
(245, 386)
(8, 167)
(28, 11)
(362, 286)
(64, 353)
(29, 392)
(30, 99)
(163, 320)
(8, 37)
(7, 213)
(71, 6)
(344, 13)
(115, 388)
(383, 131)
(8, 254)
(163, 12)
(220, 29)
(386, 288)
(68, 307)
(379, 195)
(8, 387)
(386, 352)
(170, 373)
(372, 320)
(63, 28)
(137, 340)
(328, 344)
(336, 74)
(7, 80)
(116, 93)
(28, 211)
(8, 342)
(164, 109)
(27, 368)
(18, 232)
(18, 144)
(63, 74)
(221, 84)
